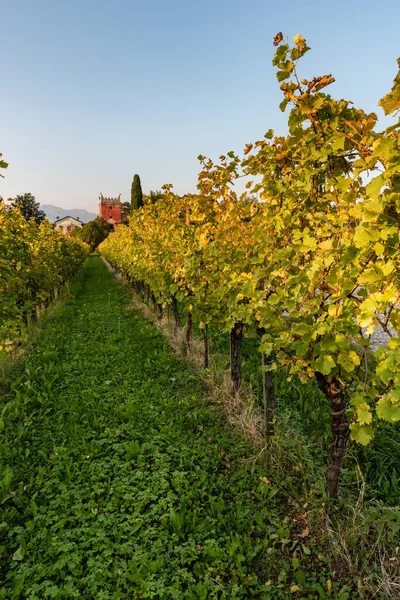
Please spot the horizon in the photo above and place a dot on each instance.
(94, 94)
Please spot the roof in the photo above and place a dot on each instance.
(68, 217)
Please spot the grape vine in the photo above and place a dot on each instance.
(307, 256)
(35, 260)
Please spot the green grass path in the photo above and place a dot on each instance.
(116, 479)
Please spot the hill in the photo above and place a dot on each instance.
(54, 212)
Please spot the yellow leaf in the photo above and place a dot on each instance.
(299, 40)
(362, 434)
(364, 415)
(294, 589)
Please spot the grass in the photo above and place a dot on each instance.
(305, 406)
(360, 532)
(118, 481)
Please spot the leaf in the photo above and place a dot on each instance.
(384, 147)
(357, 398)
(309, 243)
(324, 364)
(265, 480)
(362, 434)
(373, 207)
(387, 410)
(299, 40)
(301, 329)
(362, 236)
(391, 102)
(282, 75)
(367, 312)
(364, 415)
(294, 589)
(373, 189)
(305, 533)
(370, 276)
(353, 357)
(18, 554)
(386, 369)
(283, 104)
(273, 299)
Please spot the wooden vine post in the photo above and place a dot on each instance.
(189, 331)
(268, 396)
(206, 347)
(236, 339)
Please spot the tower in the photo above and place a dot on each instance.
(110, 210)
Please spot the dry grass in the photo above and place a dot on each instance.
(239, 409)
(355, 535)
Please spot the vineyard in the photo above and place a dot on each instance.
(122, 473)
(35, 263)
(306, 258)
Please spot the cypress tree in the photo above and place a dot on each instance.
(136, 194)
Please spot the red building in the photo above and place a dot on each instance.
(110, 210)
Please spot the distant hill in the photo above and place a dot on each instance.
(54, 212)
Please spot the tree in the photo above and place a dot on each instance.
(125, 212)
(92, 233)
(28, 207)
(3, 164)
(136, 194)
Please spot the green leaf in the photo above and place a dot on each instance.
(324, 364)
(273, 299)
(391, 102)
(387, 369)
(374, 187)
(357, 398)
(280, 54)
(328, 344)
(283, 104)
(384, 147)
(282, 75)
(387, 410)
(301, 328)
(18, 554)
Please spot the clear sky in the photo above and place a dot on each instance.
(93, 91)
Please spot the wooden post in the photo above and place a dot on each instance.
(175, 311)
(206, 349)
(236, 339)
(189, 331)
(268, 396)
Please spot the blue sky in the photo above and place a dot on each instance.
(94, 91)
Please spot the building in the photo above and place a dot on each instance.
(67, 224)
(110, 210)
